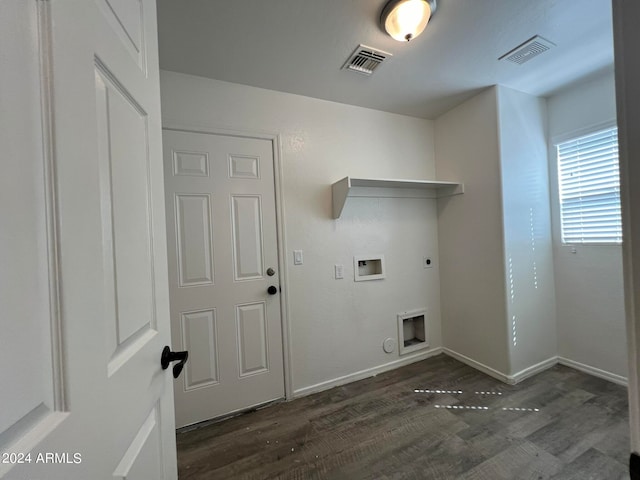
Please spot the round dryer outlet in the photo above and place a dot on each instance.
(389, 345)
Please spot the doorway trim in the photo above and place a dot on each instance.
(276, 144)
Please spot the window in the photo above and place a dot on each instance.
(589, 185)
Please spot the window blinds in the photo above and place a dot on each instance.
(589, 182)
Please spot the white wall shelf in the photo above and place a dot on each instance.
(374, 187)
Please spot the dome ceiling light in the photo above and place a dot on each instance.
(404, 20)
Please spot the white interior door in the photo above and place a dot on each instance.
(84, 293)
(223, 258)
(626, 16)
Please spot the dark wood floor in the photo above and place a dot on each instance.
(569, 426)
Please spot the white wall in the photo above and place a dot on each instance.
(498, 307)
(472, 268)
(337, 326)
(589, 286)
(530, 292)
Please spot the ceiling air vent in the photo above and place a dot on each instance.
(528, 50)
(365, 60)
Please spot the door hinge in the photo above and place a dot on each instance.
(634, 466)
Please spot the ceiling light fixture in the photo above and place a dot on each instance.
(404, 20)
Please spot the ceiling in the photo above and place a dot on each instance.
(299, 46)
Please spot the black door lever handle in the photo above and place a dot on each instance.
(168, 356)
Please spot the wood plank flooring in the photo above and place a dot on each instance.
(560, 424)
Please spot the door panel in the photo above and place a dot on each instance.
(221, 218)
(126, 18)
(32, 389)
(139, 461)
(190, 164)
(201, 340)
(195, 250)
(247, 237)
(124, 164)
(244, 167)
(252, 338)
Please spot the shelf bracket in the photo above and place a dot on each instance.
(339, 193)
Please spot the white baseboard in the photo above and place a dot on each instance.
(596, 372)
(533, 370)
(479, 366)
(369, 372)
(508, 379)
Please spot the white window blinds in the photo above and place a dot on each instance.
(589, 182)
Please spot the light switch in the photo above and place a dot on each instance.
(339, 270)
(297, 257)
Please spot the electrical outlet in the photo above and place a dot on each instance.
(339, 271)
(427, 262)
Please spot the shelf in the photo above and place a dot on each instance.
(349, 186)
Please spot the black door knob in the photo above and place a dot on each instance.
(168, 356)
(272, 290)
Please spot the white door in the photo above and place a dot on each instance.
(84, 302)
(626, 16)
(223, 258)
